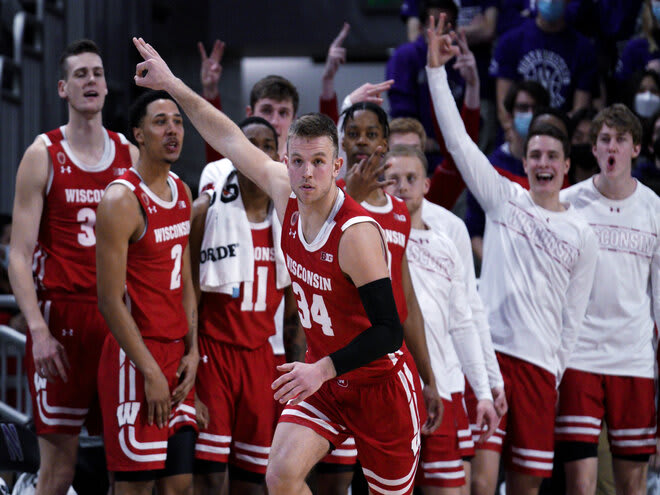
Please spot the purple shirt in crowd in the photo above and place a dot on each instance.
(562, 62)
(636, 54)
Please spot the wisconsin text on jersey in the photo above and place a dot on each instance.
(394, 237)
(175, 231)
(310, 278)
(83, 195)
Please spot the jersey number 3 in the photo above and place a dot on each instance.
(317, 312)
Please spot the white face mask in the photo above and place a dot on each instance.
(646, 104)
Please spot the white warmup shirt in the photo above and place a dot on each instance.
(538, 265)
(617, 331)
(437, 272)
(442, 220)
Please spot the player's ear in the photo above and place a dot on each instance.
(248, 111)
(138, 135)
(339, 161)
(427, 185)
(61, 88)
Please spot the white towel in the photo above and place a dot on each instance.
(227, 254)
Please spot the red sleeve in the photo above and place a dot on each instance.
(211, 154)
(446, 182)
(330, 108)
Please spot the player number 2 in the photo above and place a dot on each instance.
(87, 219)
(175, 280)
(318, 312)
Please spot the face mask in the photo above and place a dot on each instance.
(646, 104)
(551, 10)
(521, 121)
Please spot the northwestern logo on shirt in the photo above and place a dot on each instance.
(615, 238)
(394, 237)
(164, 234)
(219, 253)
(541, 237)
(310, 278)
(549, 69)
(84, 196)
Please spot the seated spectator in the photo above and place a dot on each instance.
(409, 95)
(643, 52)
(647, 169)
(545, 49)
(409, 13)
(583, 161)
(520, 103)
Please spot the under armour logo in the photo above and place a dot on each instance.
(151, 209)
(205, 358)
(66, 169)
(292, 233)
(182, 204)
(67, 332)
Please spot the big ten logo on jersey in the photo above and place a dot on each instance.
(399, 217)
(127, 413)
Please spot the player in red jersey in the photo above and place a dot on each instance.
(237, 317)
(365, 133)
(147, 298)
(351, 382)
(59, 184)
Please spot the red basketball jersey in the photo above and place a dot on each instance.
(155, 261)
(329, 305)
(248, 319)
(395, 221)
(65, 255)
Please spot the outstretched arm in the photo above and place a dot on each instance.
(215, 127)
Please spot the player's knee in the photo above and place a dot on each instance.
(482, 485)
(581, 486)
(282, 478)
(55, 479)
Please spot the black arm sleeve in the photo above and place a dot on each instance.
(385, 335)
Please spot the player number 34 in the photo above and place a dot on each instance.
(317, 313)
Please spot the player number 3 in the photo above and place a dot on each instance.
(318, 312)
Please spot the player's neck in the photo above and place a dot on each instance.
(615, 188)
(314, 215)
(154, 174)
(377, 198)
(86, 137)
(416, 221)
(547, 200)
(255, 201)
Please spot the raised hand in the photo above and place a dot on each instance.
(440, 46)
(370, 92)
(153, 73)
(465, 63)
(367, 175)
(210, 69)
(336, 53)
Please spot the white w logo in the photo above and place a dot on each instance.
(127, 412)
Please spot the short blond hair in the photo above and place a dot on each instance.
(405, 125)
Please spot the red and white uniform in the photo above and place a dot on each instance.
(536, 277)
(437, 275)
(360, 401)
(155, 299)
(237, 367)
(618, 325)
(442, 220)
(64, 267)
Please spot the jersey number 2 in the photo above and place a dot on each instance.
(175, 279)
(318, 312)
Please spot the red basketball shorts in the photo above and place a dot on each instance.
(131, 444)
(63, 407)
(626, 402)
(381, 415)
(235, 384)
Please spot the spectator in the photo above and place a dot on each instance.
(409, 95)
(643, 52)
(647, 170)
(644, 94)
(520, 102)
(409, 13)
(583, 162)
(545, 49)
